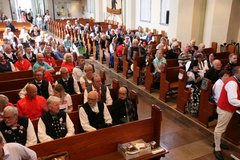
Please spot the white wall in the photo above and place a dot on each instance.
(217, 21)
(234, 22)
(5, 8)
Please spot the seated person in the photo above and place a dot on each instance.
(5, 66)
(159, 63)
(233, 60)
(94, 115)
(87, 78)
(123, 109)
(32, 105)
(66, 100)
(60, 52)
(4, 102)
(9, 55)
(48, 58)
(102, 90)
(213, 73)
(29, 55)
(68, 62)
(185, 56)
(70, 84)
(16, 128)
(194, 84)
(10, 151)
(78, 70)
(174, 52)
(22, 64)
(40, 62)
(55, 123)
(44, 87)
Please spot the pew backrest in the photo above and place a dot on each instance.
(104, 141)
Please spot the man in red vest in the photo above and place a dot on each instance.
(228, 102)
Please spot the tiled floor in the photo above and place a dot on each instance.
(184, 138)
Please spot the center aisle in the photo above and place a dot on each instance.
(183, 137)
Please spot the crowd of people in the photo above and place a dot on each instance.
(34, 50)
(50, 101)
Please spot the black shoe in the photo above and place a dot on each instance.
(222, 146)
(218, 155)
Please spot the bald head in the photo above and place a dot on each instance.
(31, 91)
(217, 64)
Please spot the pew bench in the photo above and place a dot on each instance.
(183, 92)
(89, 145)
(15, 75)
(168, 81)
(206, 108)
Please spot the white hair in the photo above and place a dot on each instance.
(12, 109)
(53, 100)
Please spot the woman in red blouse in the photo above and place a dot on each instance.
(22, 64)
(68, 62)
(49, 59)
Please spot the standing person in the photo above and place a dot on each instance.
(10, 151)
(228, 102)
(39, 21)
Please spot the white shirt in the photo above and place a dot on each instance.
(231, 88)
(31, 135)
(84, 117)
(77, 73)
(43, 137)
(23, 91)
(15, 151)
(217, 88)
(109, 100)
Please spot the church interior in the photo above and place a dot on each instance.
(149, 47)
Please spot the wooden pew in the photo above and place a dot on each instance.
(14, 84)
(125, 63)
(77, 99)
(172, 62)
(233, 129)
(149, 77)
(18, 83)
(12, 95)
(136, 69)
(168, 81)
(183, 93)
(15, 75)
(114, 89)
(89, 145)
(222, 55)
(206, 108)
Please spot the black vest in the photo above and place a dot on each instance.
(69, 86)
(103, 92)
(13, 59)
(32, 59)
(42, 89)
(96, 120)
(56, 126)
(18, 134)
(5, 67)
